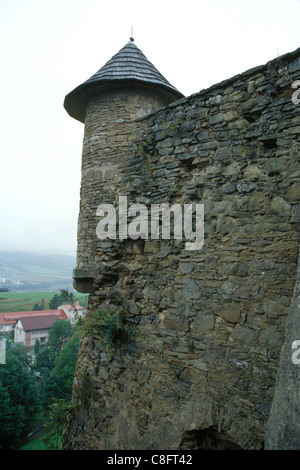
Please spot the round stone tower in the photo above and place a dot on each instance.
(126, 88)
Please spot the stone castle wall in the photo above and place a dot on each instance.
(283, 426)
(202, 374)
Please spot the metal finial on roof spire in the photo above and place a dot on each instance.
(131, 38)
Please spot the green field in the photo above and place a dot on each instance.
(25, 301)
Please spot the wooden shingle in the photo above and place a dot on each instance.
(129, 68)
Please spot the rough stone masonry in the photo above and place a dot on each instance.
(201, 373)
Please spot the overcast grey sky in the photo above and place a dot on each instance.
(48, 47)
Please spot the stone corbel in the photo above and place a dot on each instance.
(83, 279)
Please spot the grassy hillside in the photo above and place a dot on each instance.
(25, 301)
(31, 272)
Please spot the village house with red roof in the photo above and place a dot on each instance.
(36, 324)
(29, 329)
(9, 319)
(73, 312)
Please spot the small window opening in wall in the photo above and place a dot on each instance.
(270, 143)
(207, 439)
(252, 117)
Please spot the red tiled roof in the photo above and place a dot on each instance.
(71, 307)
(37, 322)
(8, 318)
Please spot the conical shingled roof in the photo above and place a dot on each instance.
(129, 68)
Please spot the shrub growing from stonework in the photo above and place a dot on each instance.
(106, 325)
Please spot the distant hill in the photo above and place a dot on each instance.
(31, 272)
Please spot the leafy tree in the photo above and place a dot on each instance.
(65, 363)
(65, 296)
(6, 414)
(68, 296)
(19, 400)
(21, 396)
(55, 424)
(55, 302)
(37, 347)
(59, 333)
(52, 388)
(20, 352)
(40, 306)
(45, 361)
(58, 385)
